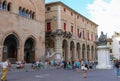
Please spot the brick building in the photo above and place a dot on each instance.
(22, 27)
(69, 33)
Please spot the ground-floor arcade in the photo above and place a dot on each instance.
(17, 48)
(70, 49)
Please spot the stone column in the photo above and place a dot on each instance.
(68, 48)
(59, 17)
(58, 45)
(93, 55)
(21, 53)
(74, 52)
(90, 58)
(36, 54)
(1, 52)
(85, 52)
(80, 53)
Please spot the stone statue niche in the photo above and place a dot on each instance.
(102, 39)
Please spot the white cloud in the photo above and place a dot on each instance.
(106, 13)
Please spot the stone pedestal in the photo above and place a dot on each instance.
(103, 58)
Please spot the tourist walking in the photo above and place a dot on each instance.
(65, 64)
(5, 66)
(91, 63)
(86, 62)
(117, 66)
(77, 66)
(84, 68)
(34, 66)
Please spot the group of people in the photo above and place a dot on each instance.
(37, 64)
(20, 65)
(78, 65)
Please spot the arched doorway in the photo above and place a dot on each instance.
(83, 51)
(64, 49)
(10, 48)
(72, 46)
(29, 50)
(9, 6)
(88, 52)
(78, 51)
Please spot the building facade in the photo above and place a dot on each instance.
(116, 45)
(110, 45)
(68, 33)
(22, 28)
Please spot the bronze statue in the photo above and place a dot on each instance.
(102, 39)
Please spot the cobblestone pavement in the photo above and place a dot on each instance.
(61, 75)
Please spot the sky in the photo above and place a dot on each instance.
(105, 13)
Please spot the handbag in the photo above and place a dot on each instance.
(84, 68)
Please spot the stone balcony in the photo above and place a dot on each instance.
(59, 32)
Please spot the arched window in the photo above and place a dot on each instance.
(9, 6)
(30, 14)
(4, 6)
(33, 15)
(20, 10)
(27, 14)
(23, 12)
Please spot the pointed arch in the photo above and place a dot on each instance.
(30, 13)
(23, 11)
(9, 6)
(20, 10)
(27, 13)
(4, 5)
(33, 15)
(29, 49)
(10, 47)
(11, 33)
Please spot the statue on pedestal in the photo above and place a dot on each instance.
(103, 53)
(102, 39)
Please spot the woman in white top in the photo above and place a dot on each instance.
(5, 67)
